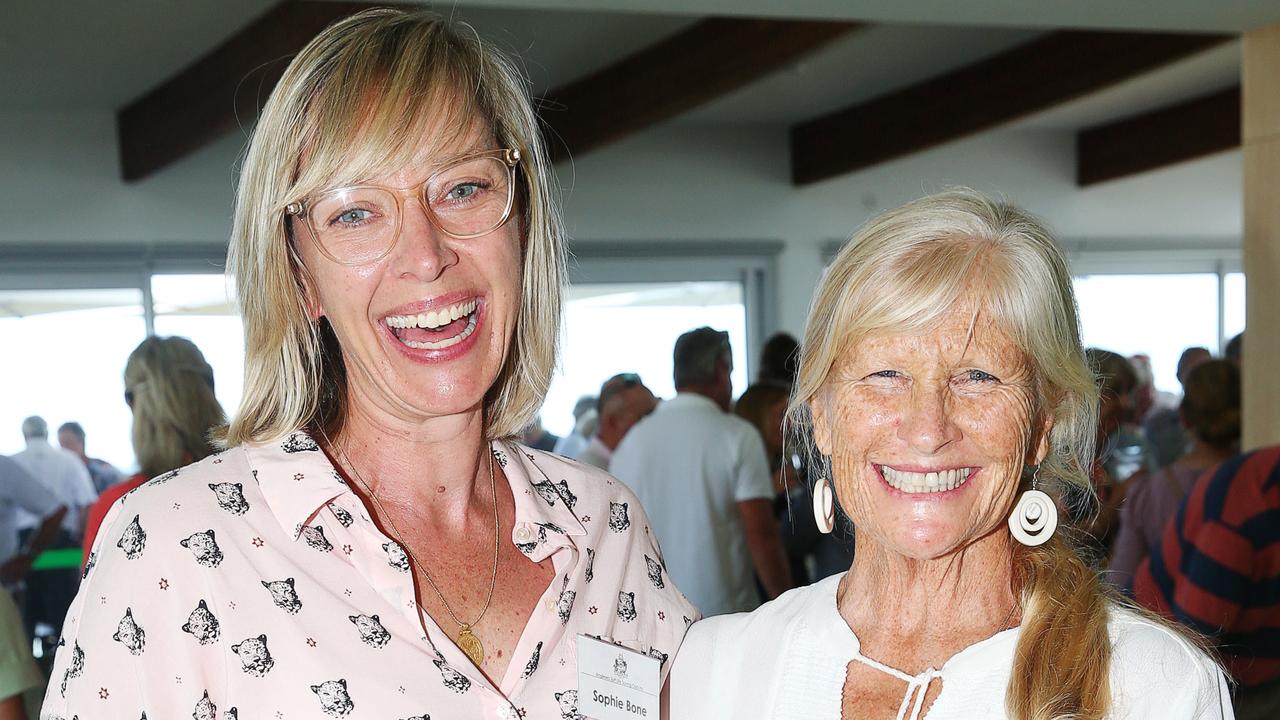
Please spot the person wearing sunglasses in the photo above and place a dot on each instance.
(373, 543)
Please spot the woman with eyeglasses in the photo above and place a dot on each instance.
(373, 544)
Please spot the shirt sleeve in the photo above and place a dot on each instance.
(18, 672)
(751, 478)
(25, 491)
(1157, 675)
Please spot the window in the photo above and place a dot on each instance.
(200, 308)
(632, 327)
(64, 358)
(1159, 315)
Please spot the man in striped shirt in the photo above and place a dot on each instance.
(1217, 570)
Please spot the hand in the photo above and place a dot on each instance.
(15, 568)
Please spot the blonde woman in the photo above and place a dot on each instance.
(169, 388)
(372, 545)
(943, 385)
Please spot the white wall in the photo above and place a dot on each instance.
(734, 184)
(59, 183)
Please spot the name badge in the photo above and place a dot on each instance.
(616, 683)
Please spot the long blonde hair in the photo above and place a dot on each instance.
(356, 101)
(903, 272)
(169, 387)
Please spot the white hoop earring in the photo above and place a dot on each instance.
(1035, 517)
(824, 506)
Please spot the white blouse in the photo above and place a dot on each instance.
(787, 661)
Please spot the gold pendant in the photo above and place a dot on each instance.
(470, 645)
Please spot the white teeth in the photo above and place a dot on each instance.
(936, 481)
(433, 318)
(447, 342)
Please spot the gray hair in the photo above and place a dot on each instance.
(696, 354)
(35, 427)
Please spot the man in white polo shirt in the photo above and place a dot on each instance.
(58, 470)
(703, 478)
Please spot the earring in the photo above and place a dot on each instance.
(1035, 517)
(824, 505)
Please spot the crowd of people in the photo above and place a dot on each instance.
(938, 503)
(55, 498)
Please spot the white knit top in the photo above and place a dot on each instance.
(787, 661)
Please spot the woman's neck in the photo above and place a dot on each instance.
(918, 613)
(436, 470)
(1202, 455)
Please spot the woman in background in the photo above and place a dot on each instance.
(169, 387)
(1210, 411)
(764, 405)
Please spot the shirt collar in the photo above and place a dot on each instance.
(296, 479)
(544, 501)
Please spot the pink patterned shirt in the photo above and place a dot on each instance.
(253, 584)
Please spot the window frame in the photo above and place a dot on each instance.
(753, 263)
(1220, 256)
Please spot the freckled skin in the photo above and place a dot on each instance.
(936, 399)
(933, 572)
(425, 263)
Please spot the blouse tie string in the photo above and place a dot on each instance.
(917, 685)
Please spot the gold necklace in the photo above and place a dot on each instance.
(467, 640)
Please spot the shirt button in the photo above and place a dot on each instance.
(507, 712)
(523, 533)
(551, 604)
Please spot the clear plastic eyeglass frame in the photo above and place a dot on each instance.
(508, 156)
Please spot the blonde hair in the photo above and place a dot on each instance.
(903, 272)
(169, 387)
(357, 101)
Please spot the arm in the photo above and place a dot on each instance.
(30, 495)
(764, 542)
(19, 565)
(753, 493)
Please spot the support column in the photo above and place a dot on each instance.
(1261, 147)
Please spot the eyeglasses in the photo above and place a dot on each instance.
(470, 197)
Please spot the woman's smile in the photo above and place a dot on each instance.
(437, 329)
(919, 482)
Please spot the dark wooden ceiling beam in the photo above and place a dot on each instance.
(225, 88)
(703, 62)
(1035, 76)
(1177, 133)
